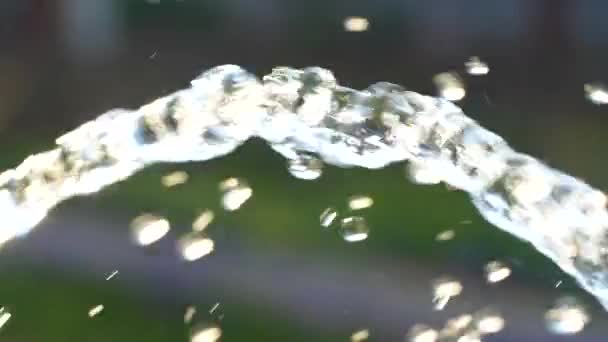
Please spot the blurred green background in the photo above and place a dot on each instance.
(276, 273)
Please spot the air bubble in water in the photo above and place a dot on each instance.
(496, 271)
(450, 86)
(5, 316)
(354, 229)
(235, 193)
(174, 178)
(305, 166)
(566, 317)
(203, 220)
(359, 202)
(194, 246)
(327, 217)
(596, 93)
(149, 228)
(359, 336)
(443, 290)
(206, 333)
(476, 66)
(96, 310)
(422, 333)
(445, 235)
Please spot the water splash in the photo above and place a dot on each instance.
(307, 111)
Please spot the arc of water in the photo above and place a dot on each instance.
(305, 111)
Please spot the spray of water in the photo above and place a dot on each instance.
(305, 112)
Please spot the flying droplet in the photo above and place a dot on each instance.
(174, 178)
(496, 272)
(360, 336)
(328, 216)
(203, 220)
(193, 247)
(450, 86)
(596, 93)
(112, 275)
(476, 66)
(206, 333)
(489, 322)
(5, 316)
(235, 193)
(354, 229)
(305, 166)
(189, 314)
(96, 310)
(422, 333)
(445, 235)
(356, 24)
(566, 317)
(359, 202)
(149, 228)
(214, 307)
(443, 290)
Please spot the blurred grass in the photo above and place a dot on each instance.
(53, 308)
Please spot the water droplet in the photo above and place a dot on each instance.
(203, 220)
(469, 336)
(443, 290)
(566, 317)
(305, 166)
(328, 216)
(360, 335)
(189, 314)
(206, 333)
(96, 310)
(359, 202)
(5, 316)
(497, 271)
(112, 275)
(356, 24)
(445, 235)
(450, 86)
(235, 193)
(174, 178)
(458, 323)
(149, 228)
(476, 66)
(422, 333)
(194, 246)
(214, 307)
(489, 322)
(596, 93)
(354, 229)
